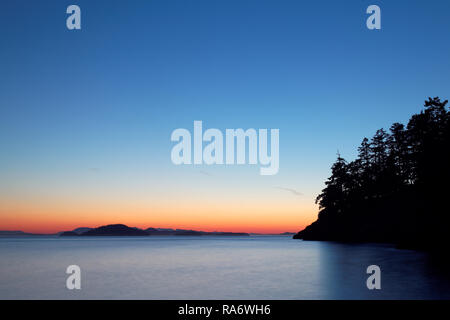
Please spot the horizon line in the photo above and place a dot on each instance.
(161, 228)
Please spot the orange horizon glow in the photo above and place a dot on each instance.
(243, 229)
(47, 226)
(230, 212)
(248, 221)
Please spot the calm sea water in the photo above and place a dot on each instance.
(257, 267)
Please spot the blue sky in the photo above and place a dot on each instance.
(106, 98)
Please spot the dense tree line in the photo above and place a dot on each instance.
(397, 188)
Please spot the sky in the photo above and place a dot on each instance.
(86, 115)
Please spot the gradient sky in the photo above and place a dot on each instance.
(86, 116)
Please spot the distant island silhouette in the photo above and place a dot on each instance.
(395, 191)
(123, 230)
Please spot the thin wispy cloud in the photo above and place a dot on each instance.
(293, 191)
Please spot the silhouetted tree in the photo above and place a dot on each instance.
(395, 190)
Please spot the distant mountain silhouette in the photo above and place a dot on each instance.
(115, 230)
(123, 230)
(164, 231)
(69, 234)
(273, 234)
(13, 232)
(17, 233)
(81, 230)
(215, 233)
(183, 232)
(396, 190)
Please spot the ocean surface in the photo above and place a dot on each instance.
(209, 267)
